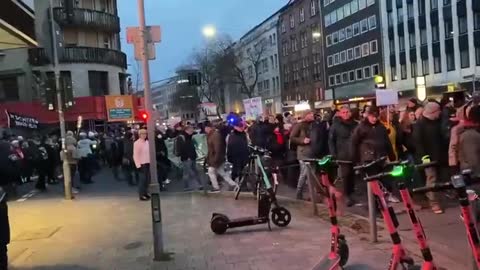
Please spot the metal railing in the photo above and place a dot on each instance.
(38, 57)
(88, 18)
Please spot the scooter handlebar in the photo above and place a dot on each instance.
(370, 178)
(370, 164)
(335, 161)
(425, 165)
(434, 188)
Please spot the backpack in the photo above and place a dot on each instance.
(319, 138)
(176, 148)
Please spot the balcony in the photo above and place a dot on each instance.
(83, 55)
(87, 18)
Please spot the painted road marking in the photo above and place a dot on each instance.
(28, 195)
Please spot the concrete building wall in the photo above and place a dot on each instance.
(14, 63)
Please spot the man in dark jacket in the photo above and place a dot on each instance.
(430, 145)
(237, 149)
(188, 156)
(6, 172)
(128, 165)
(338, 141)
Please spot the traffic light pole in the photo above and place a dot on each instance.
(158, 251)
(61, 117)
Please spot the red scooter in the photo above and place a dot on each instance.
(460, 183)
(399, 172)
(338, 255)
(399, 259)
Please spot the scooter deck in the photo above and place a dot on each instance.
(328, 263)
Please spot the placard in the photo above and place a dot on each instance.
(386, 97)
(21, 121)
(253, 108)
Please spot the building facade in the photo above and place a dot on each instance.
(300, 53)
(91, 60)
(162, 94)
(435, 39)
(353, 47)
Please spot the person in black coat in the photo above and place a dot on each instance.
(128, 165)
(6, 171)
(116, 156)
(237, 149)
(339, 139)
(188, 156)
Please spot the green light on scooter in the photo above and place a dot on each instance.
(397, 171)
(325, 160)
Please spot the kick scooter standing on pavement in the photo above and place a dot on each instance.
(399, 259)
(338, 254)
(280, 216)
(460, 183)
(398, 172)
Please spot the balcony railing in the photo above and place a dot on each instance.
(87, 18)
(39, 57)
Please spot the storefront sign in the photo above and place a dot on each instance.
(20, 121)
(119, 108)
(253, 108)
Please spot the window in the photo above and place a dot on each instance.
(364, 25)
(274, 39)
(476, 20)
(399, 15)
(367, 72)
(271, 40)
(362, 4)
(375, 69)
(351, 76)
(390, 18)
(370, 2)
(462, 25)
(403, 71)
(98, 83)
(401, 43)
(302, 15)
(437, 64)
(358, 52)
(464, 59)
(345, 77)
(329, 40)
(365, 49)
(348, 32)
(335, 37)
(328, 20)
(272, 61)
(391, 46)
(477, 55)
(283, 27)
(423, 36)
(276, 61)
(425, 67)
(331, 80)
(411, 40)
(433, 4)
(435, 33)
(313, 8)
(341, 35)
(339, 14)
(9, 90)
(372, 22)
(350, 54)
(410, 11)
(354, 6)
(292, 21)
(330, 61)
(421, 8)
(343, 57)
(413, 67)
(359, 74)
(393, 71)
(347, 10)
(356, 29)
(447, 2)
(448, 29)
(333, 17)
(373, 47)
(338, 79)
(336, 59)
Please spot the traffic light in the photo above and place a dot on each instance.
(144, 116)
(194, 78)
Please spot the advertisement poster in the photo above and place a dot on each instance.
(119, 108)
(253, 108)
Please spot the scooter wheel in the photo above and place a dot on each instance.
(281, 216)
(343, 251)
(219, 224)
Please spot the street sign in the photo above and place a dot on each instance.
(139, 51)
(119, 108)
(153, 34)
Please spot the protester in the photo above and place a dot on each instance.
(188, 156)
(339, 139)
(216, 158)
(237, 149)
(72, 157)
(128, 165)
(6, 172)
(300, 136)
(84, 148)
(277, 144)
(430, 145)
(141, 157)
(469, 143)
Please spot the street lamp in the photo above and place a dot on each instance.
(316, 34)
(209, 31)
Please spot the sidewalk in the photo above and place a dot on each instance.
(107, 228)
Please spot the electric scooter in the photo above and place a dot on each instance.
(460, 183)
(280, 216)
(338, 254)
(399, 172)
(399, 259)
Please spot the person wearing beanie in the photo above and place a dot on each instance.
(430, 145)
(469, 143)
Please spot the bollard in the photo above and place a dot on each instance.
(472, 198)
(372, 214)
(310, 187)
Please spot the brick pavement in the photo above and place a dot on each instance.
(106, 227)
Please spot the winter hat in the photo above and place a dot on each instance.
(372, 110)
(279, 118)
(430, 109)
